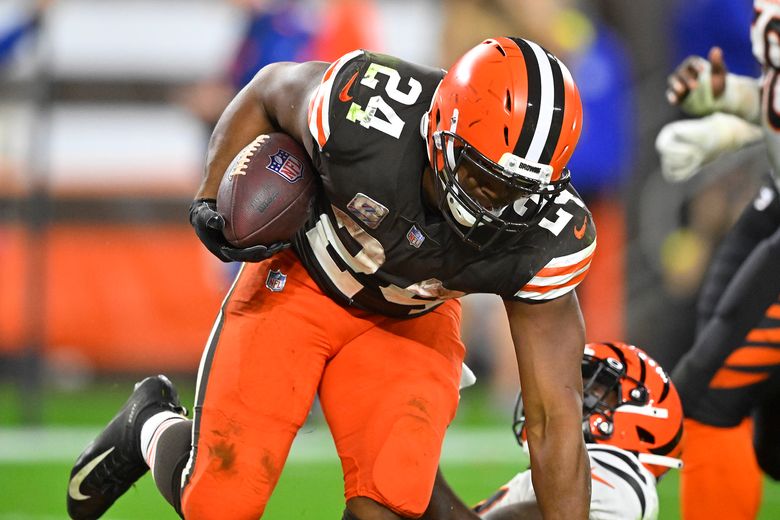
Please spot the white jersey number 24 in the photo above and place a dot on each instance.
(389, 122)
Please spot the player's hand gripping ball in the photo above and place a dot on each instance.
(267, 192)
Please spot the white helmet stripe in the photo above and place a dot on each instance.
(546, 104)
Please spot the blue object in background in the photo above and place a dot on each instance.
(603, 74)
(15, 34)
(702, 24)
(274, 34)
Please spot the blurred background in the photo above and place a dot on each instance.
(105, 110)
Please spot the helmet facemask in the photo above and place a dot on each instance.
(475, 224)
(603, 381)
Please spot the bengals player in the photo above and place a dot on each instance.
(632, 421)
(732, 372)
(434, 184)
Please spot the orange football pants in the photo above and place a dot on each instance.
(720, 476)
(388, 389)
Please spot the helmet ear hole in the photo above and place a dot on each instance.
(506, 135)
(645, 435)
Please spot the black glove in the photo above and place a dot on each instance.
(208, 226)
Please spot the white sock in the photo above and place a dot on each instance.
(152, 430)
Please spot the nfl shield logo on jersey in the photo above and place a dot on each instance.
(276, 280)
(415, 237)
(286, 166)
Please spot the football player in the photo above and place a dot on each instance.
(632, 422)
(732, 371)
(434, 184)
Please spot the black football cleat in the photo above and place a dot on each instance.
(113, 462)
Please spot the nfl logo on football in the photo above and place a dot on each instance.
(275, 281)
(286, 166)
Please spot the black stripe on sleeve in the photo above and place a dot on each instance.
(631, 481)
(622, 456)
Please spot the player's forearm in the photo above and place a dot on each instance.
(560, 469)
(242, 121)
(742, 97)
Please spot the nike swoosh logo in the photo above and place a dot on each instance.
(74, 488)
(579, 232)
(344, 94)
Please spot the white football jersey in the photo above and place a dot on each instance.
(765, 38)
(622, 488)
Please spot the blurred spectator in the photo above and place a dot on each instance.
(274, 31)
(283, 30)
(17, 32)
(346, 25)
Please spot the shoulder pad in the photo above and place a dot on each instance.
(319, 104)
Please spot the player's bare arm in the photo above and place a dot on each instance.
(519, 511)
(548, 340)
(275, 100)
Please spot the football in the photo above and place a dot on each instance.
(267, 192)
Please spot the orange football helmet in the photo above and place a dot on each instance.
(628, 402)
(510, 109)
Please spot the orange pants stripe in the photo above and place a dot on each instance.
(388, 389)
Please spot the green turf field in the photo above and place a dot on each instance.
(479, 455)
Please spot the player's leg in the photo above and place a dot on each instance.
(388, 397)
(741, 283)
(114, 460)
(766, 437)
(172, 451)
(445, 504)
(766, 418)
(257, 381)
(720, 477)
(721, 474)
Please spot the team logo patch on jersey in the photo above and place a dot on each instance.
(286, 166)
(415, 237)
(276, 280)
(367, 210)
